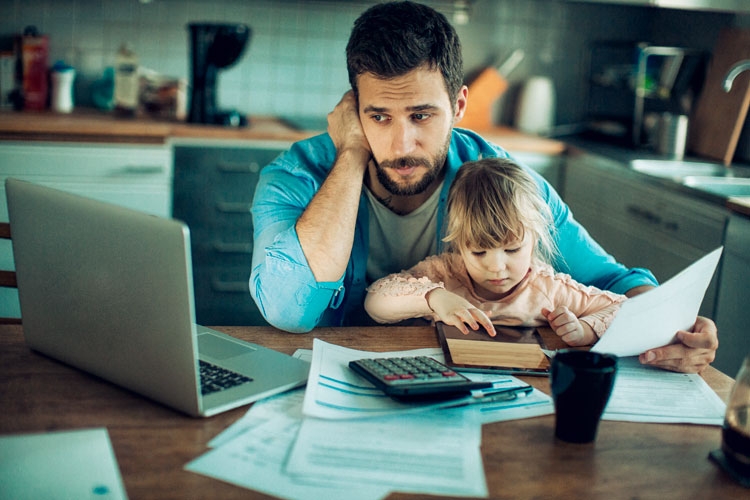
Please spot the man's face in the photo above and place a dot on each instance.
(408, 122)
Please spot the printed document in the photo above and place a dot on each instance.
(255, 459)
(435, 452)
(648, 394)
(652, 319)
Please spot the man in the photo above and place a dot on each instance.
(342, 209)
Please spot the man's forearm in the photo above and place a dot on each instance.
(326, 227)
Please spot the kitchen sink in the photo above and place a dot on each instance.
(679, 170)
(707, 176)
(723, 186)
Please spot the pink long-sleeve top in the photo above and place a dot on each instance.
(402, 295)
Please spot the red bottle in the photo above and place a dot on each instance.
(34, 50)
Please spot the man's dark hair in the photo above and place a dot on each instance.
(392, 39)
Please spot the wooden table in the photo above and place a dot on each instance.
(521, 458)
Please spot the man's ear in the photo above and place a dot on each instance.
(461, 101)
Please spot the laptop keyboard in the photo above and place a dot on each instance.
(215, 378)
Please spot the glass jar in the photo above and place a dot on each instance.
(735, 433)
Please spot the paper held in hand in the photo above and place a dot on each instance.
(652, 319)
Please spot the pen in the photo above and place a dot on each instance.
(481, 397)
(500, 395)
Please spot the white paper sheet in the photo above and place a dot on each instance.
(61, 464)
(435, 452)
(287, 405)
(652, 319)
(255, 459)
(647, 394)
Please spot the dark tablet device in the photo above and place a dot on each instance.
(514, 350)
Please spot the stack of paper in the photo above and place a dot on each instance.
(342, 439)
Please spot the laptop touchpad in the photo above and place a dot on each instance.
(221, 347)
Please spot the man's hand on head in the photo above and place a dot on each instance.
(345, 127)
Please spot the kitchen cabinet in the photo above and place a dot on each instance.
(214, 186)
(137, 176)
(642, 224)
(732, 316)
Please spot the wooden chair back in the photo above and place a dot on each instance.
(7, 278)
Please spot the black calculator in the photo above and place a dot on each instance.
(414, 378)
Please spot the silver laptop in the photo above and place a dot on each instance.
(109, 290)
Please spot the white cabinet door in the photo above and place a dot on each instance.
(137, 176)
(133, 175)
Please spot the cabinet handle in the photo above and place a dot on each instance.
(239, 247)
(644, 214)
(143, 169)
(237, 207)
(239, 168)
(230, 286)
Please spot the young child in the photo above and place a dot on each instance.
(496, 269)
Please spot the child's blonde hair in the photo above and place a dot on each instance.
(493, 202)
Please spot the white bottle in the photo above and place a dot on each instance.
(62, 87)
(126, 82)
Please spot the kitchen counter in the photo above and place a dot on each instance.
(624, 156)
(515, 141)
(98, 126)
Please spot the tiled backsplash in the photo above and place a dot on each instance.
(294, 63)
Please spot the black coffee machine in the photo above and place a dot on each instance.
(214, 46)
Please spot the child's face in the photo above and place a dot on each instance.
(497, 271)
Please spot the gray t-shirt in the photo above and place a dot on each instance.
(397, 242)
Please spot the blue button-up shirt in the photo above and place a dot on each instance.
(284, 287)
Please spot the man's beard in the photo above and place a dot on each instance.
(434, 166)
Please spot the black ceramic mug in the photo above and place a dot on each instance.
(581, 384)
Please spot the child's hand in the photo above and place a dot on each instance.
(457, 311)
(567, 326)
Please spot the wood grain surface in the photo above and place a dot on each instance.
(521, 458)
(718, 116)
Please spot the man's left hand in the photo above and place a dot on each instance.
(694, 352)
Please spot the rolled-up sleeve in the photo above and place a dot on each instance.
(284, 288)
(281, 281)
